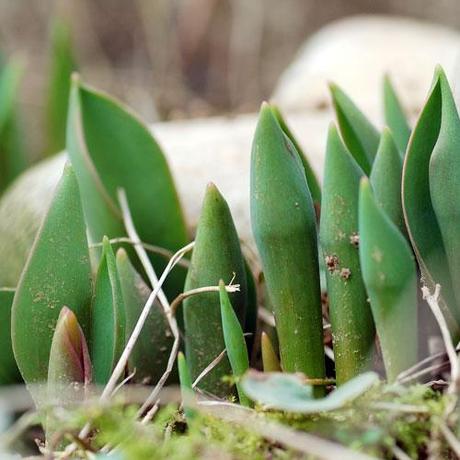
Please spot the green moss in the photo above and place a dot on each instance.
(383, 418)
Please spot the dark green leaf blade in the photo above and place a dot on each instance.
(421, 222)
(386, 179)
(390, 276)
(395, 117)
(359, 134)
(312, 180)
(108, 321)
(444, 177)
(110, 149)
(150, 355)
(12, 156)
(9, 372)
(216, 255)
(284, 226)
(234, 341)
(350, 315)
(57, 273)
(62, 64)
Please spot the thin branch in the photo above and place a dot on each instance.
(184, 295)
(209, 367)
(265, 316)
(450, 437)
(157, 291)
(399, 453)
(415, 367)
(432, 300)
(427, 370)
(124, 382)
(166, 253)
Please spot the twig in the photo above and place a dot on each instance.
(182, 296)
(421, 363)
(399, 453)
(427, 370)
(124, 382)
(166, 253)
(329, 352)
(156, 284)
(450, 437)
(265, 316)
(157, 292)
(432, 301)
(209, 367)
(409, 408)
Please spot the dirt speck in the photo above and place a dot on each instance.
(354, 240)
(345, 273)
(332, 263)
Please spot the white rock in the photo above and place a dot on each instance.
(355, 53)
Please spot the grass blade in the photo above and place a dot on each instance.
(234, 342)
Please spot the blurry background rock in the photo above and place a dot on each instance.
(187, 58)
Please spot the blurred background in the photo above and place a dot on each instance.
(172, 59)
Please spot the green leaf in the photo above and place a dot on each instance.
(386, 178)
(359, 135)
(269, 357)
(312, 180)
(216, 255)
(288, 392)
(284, 226)
(250, 324)
(421, 222)
(108, 321)
(444, 177)
(61, 66)
(150, 355)
(111, 148)
(185, 385)
(234, 341)
(395, 117)
(390, 276)
(69, 360)
(350, 315)
(57, 273)
(69, 372)
(9, 372)
(12, 157)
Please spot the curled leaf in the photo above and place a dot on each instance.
(69, 358)
(419, 215)
(288, 392)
